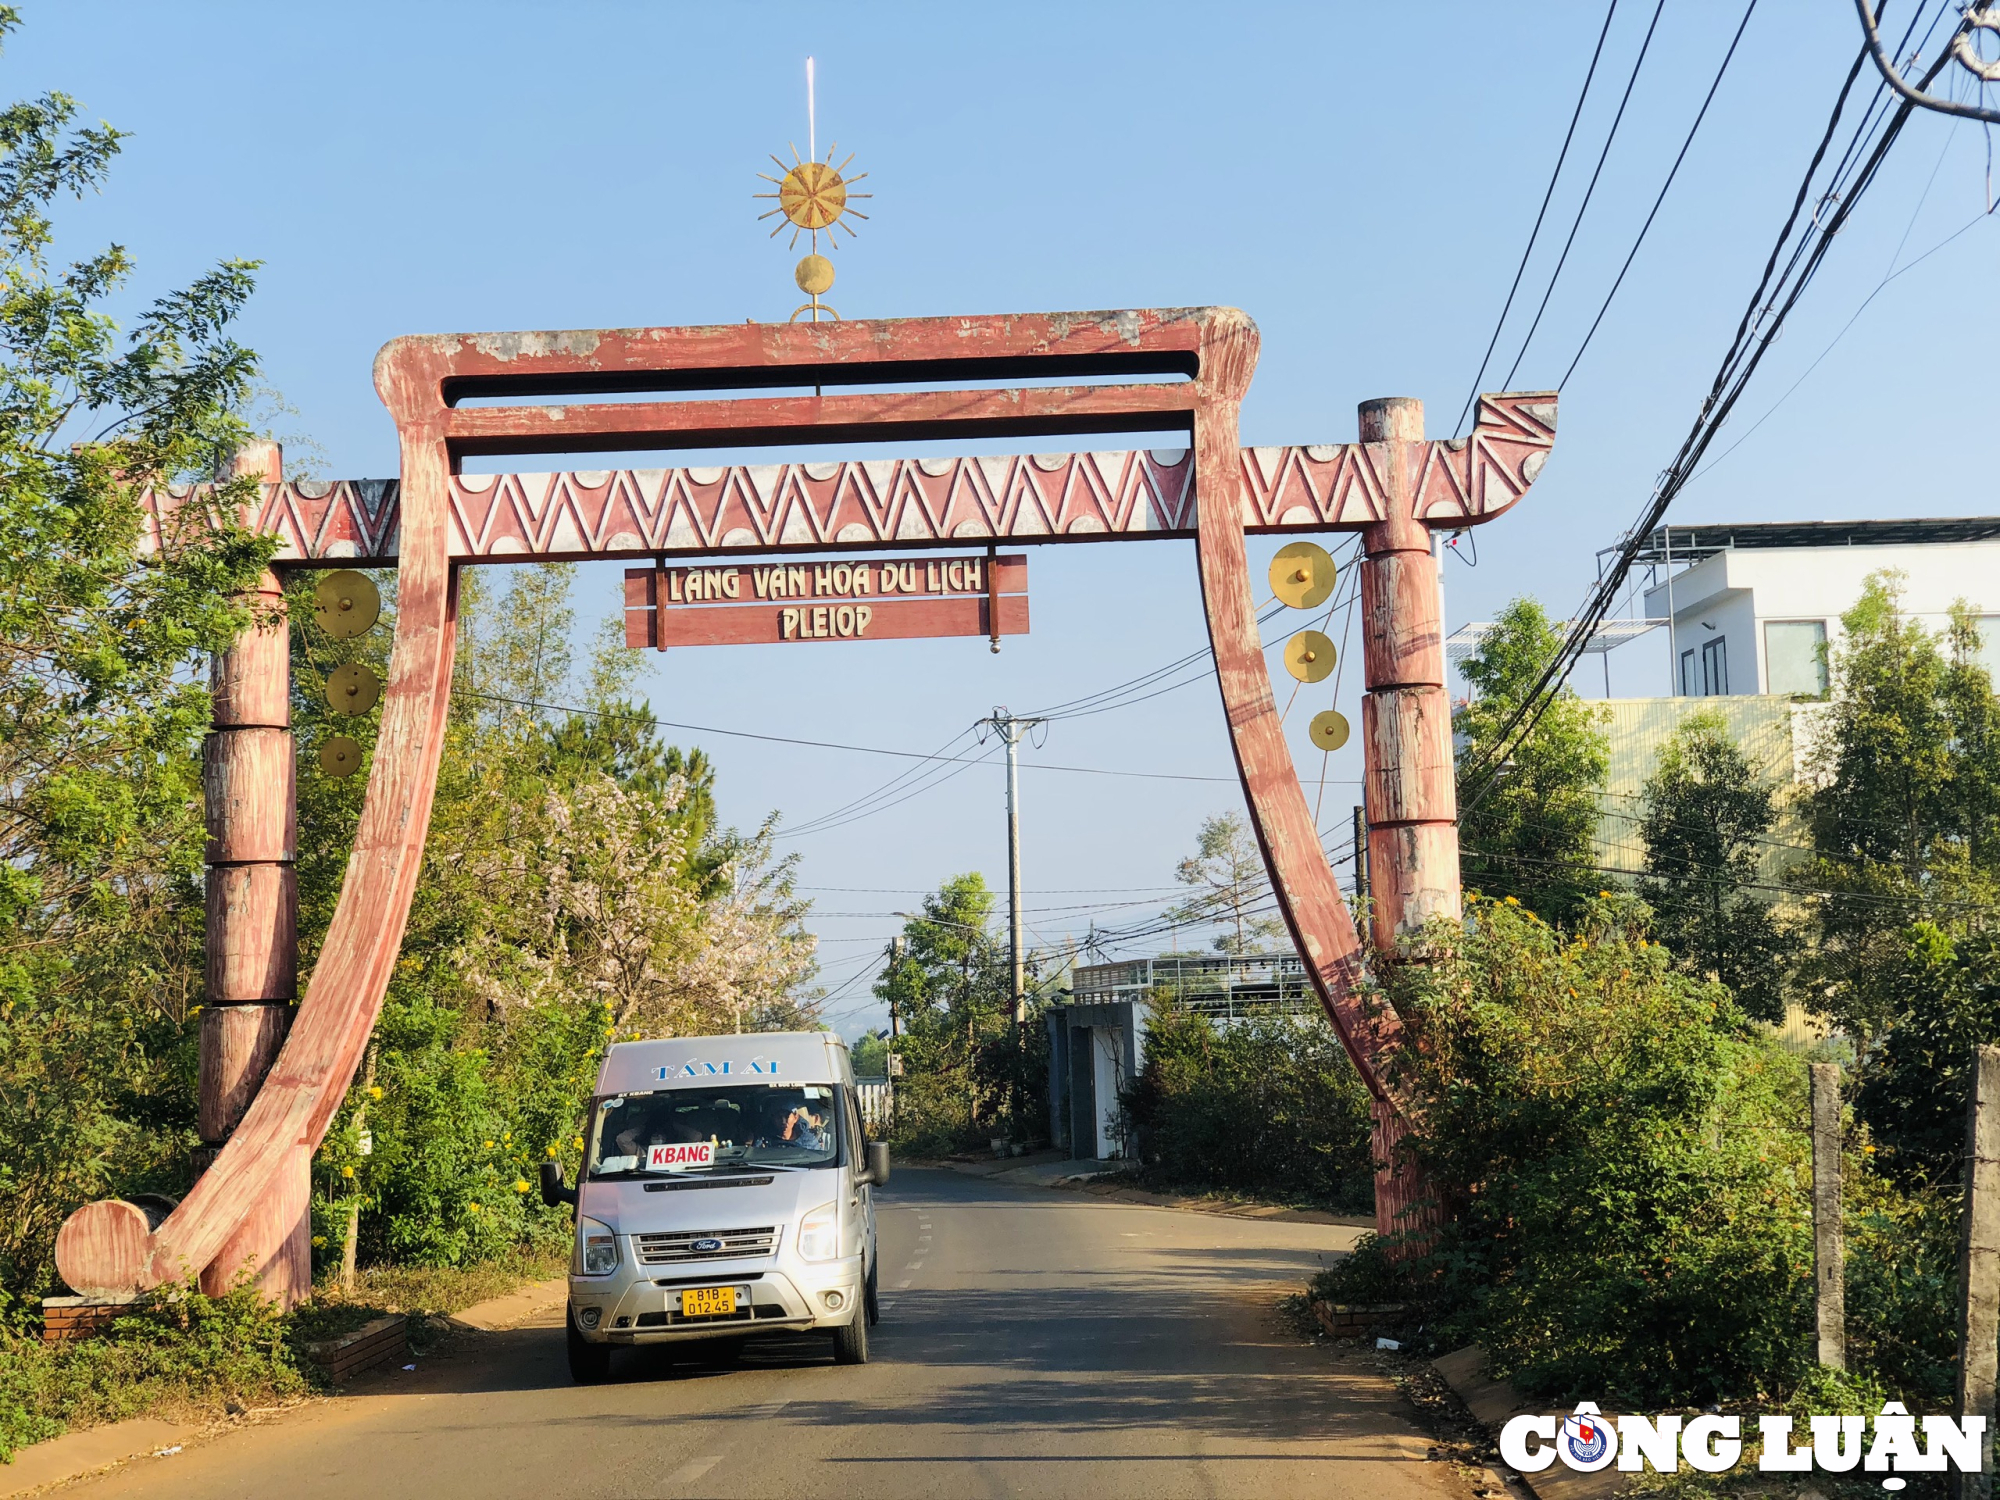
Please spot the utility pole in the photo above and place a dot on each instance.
(1010, 728)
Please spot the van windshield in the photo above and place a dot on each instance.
(703, 1129)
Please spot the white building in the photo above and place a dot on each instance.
(1748, 609)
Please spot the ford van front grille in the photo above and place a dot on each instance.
(705, 1244)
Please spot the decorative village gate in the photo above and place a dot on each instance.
(269, 1092)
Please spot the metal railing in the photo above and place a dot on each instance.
(1223, 987)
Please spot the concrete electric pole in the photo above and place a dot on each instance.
(1011, 729)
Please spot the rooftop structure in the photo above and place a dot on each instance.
(1756, 608)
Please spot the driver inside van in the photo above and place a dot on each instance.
(806, 1126)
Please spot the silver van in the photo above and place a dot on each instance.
(727, 1190)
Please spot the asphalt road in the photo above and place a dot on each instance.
(1032, 1343)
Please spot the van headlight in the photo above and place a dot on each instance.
(599, 1247)
(819, 1238)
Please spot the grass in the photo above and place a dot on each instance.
(184, 1354)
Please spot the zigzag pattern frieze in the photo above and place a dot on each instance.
(909, 502)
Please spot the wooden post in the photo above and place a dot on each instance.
(1829, 1268)
(1979, 1265)
(1408, 787)
(252, 938)
(1408, 791)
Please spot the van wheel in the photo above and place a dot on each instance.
(589, 1364)
(871, 1301)
(850, 1344)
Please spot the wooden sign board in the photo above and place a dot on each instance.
(868, 599)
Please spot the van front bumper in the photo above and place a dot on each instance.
(641, 1304)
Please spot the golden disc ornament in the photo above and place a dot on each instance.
(814, 275)
(352, 688)
(1328, 731)
(339, 756)
(1303, 575)
(1309, 656)
(349, 604)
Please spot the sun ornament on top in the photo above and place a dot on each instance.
(814, 195)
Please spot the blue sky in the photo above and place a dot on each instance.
(1361, 179)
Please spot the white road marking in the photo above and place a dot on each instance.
(902, 1286)
(915, 1265)
(693, 1469)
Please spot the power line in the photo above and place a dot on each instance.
(781, 739)
(1701, 115)
(1584, 207)
(1763, 318)
(1533, 234)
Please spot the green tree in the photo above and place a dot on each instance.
(101, 712)
(1905, 816)
(576, 887)
(1526, 823)
(1227, 870)
(964, 1060)
(1706, 814)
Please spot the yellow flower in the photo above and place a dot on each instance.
(473, 1206)
(578, 1143)
(552, 1151)
(375, 1091)
(1511, 901)
(318, 1240)
(611, 1031)
(347, 1171)
(520, 1184)
(489, 1145)
(508, 1138)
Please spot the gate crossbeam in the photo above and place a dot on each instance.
(885, 503)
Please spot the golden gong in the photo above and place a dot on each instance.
(339, 756)
(1328, 731)
(1303, 575)
(1309, 656)
(352, 688)
(349, 604)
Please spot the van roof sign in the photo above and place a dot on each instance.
(756, 1067)
(790, 1057)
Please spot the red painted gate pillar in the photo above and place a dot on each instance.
(1408, 786)
(248, 782)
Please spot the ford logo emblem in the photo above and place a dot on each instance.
(706, 1245)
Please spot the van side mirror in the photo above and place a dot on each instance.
(553, 1191)
(876, 1172)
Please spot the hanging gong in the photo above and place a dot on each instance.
(349, 604)
(339, 756)
(1309, 656)
(352, 688)
(1328, 730)
(1302, 575)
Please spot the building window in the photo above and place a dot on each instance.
(1795, 657)
(1715, 667)
(1690, 683)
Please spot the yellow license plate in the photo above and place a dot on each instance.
(707, 1301)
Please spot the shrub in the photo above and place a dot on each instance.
(1625, 1161)
(1269, 1106)
(178, 1346)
